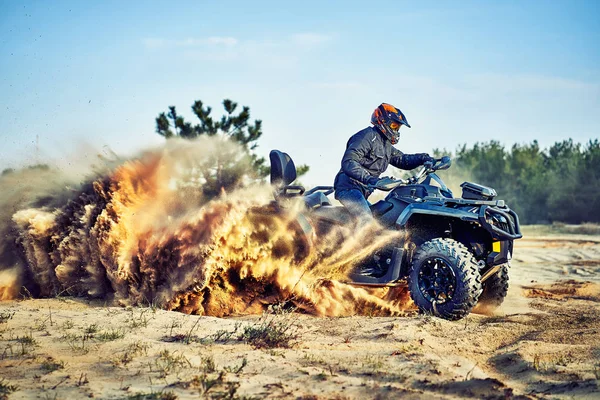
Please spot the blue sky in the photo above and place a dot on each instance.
(80, 77)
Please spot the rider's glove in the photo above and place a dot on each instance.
(426, 158)
(372, 181)
(383, 182)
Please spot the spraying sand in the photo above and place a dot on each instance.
(145, 233)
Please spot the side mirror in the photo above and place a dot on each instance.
(443, 163)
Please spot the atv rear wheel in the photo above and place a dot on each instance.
(444, 279)
(495, 289)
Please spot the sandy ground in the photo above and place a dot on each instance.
(544, 342)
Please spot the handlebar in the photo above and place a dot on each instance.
(386, 184)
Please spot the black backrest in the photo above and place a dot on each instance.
(283, 170)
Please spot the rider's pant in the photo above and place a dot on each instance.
(356, 203)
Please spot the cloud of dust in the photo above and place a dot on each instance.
(10, 283)
(40, 187)
(146, 232)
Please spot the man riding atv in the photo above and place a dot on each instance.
(452, 253)
(368, 154)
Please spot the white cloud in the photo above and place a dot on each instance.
(227, 41)
(339, 85)
(306, 40)
(531, 83)
(218, 41)
(310, 40)
(276, 53)
(154, 43)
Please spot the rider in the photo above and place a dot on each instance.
(368, 153)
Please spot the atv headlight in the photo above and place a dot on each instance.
(497, 220)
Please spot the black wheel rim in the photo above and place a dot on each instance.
(437, 281)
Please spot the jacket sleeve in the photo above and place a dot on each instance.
(407, 161)
(356, 151)
(396, 159)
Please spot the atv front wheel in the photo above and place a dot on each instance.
(495, 289)
(444, 279)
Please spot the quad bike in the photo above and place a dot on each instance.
(455, 254)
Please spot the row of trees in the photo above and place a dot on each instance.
(561, 183)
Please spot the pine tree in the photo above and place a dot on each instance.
(235, 126)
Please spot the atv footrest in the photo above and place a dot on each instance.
(392, 274)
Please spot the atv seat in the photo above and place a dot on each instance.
(283, 172)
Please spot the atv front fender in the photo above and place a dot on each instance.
(509, 231)
(430, 209)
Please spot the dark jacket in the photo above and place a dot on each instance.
(368, 153)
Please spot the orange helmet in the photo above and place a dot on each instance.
(388, 120)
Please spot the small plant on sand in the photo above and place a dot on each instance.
(153, 396)
(110, 335)
(79, 343)
(68, 324)
(275, 328)
(133, 350)
(186, 338)
(49, 365)
(563, 359)
(321, 376)
(372, 364)
(236, 369)
(311, 360)
(91, 329)
(140, 320)
(208, 364)
(40, 324)
(6, 389)
(408, 350)
(155, 304)
(215, 386)
(7, 352)
(174, 324)
(212, 382)
(83, 379)
(5, 316)
(27, 342)
(168, 362)
(224, 335)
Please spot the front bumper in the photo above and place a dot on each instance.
(500, 221)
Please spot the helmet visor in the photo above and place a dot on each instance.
(394, 132)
